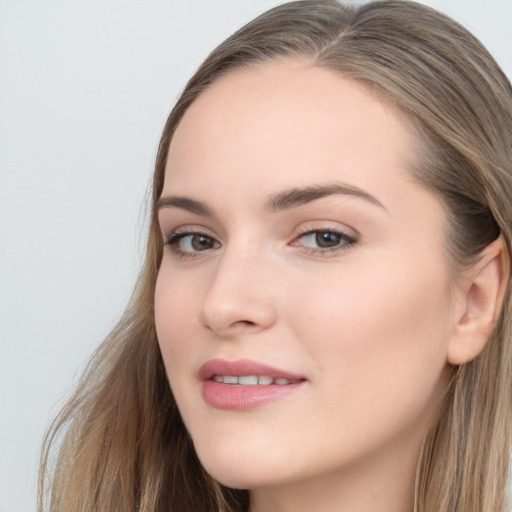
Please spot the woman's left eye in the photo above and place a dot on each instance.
(322, 241)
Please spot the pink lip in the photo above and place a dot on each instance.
(242, 367)
(242, 398)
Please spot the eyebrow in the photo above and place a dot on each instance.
(285, 200)
(185, 203)
(299, 196)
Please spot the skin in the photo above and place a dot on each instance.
(368, 325)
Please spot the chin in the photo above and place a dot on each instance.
(239, 469)
(239, 476)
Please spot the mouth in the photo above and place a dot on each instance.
(253, 380)
(246, 372)
(244, 384)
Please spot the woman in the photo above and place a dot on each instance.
(326, 287)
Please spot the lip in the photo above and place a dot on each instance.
(243, 398)
(242, 367)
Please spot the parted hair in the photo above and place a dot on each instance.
(120, 444)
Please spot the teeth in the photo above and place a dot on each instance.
(251, 380)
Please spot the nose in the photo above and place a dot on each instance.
(239, 298)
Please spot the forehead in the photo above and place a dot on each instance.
(288, 123)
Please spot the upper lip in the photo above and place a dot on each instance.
(242, 367)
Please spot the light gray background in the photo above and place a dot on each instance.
(85, 88)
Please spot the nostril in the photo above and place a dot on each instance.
(231, 307)
(241, 324)
(245, 322)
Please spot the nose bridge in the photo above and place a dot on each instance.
(239, 293)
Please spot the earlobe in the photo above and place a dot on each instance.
(483, 290)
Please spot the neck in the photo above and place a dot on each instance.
(385, 484)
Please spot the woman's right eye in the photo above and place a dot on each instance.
(189, 244)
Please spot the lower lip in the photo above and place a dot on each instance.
(235, 397)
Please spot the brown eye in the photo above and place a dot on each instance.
(191, 243)
(324, 241)
(327, 239)
(200, 242)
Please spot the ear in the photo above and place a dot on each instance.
(482, 290)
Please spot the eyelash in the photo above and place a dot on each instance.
(345, 242)
(176, 237)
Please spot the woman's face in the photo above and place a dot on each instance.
(303, 304)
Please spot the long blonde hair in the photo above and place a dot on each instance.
(123, 445)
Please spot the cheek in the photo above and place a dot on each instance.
(173, 305)
(377, 337)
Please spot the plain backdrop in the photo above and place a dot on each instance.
(85, 88)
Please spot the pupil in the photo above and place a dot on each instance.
(200, 243)
(327, 239)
